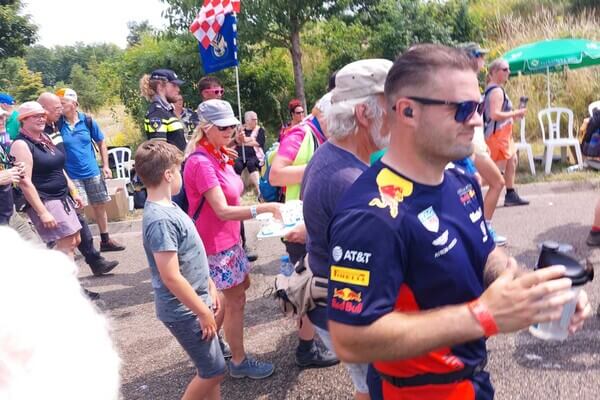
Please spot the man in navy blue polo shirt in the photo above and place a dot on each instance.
(416, 283)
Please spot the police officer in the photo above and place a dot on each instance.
(161, 88)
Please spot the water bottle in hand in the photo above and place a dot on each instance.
(286, 268)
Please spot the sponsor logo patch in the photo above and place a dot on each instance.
(353, 276)
(446, 249)
(337, 253)
(466, 194)
(392, 189)
(347, 300)
(429, 219)
(475, 215)
(442, 240)
(484, 231)
(357, 256)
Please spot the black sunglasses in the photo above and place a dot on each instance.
(224, 128)
(464, 109)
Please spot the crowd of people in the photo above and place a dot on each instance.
(389, 165)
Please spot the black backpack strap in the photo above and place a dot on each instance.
(90, 125)
(504, 101)
(197, 212)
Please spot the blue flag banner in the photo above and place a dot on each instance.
(222, 52)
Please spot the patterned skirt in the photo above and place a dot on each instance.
(229, 268)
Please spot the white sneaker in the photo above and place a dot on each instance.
(498, 239)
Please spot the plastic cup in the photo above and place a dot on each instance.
(558, 329)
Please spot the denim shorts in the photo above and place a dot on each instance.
(206, 355)
(92, 190)
(358, 372)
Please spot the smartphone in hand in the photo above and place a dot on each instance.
(523, 102)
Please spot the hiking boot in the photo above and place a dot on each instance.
(102, 266)
(111, 245)
(251, 368)
(513, 199)
(593, 239)
(250, 255)
(316, 357)
(499, 240)
(91, 295)
(224, 348)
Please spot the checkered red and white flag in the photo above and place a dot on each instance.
(210, 19)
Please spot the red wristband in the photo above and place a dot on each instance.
(484, 317)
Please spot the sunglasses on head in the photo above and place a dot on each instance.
(477, 54)
(224, 128)
(464, 109)
(219, 92)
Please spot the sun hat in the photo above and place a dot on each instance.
(30, 108)
(217, 112)
(67, 93)
(360, 79)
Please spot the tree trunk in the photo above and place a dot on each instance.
(296, 52)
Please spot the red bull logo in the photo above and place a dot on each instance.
(347, 300)
(347, 294)
(393, 190)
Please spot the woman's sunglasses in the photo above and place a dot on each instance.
(464, 109)
(224, 128)
(218, 92)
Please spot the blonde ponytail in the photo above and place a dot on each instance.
(196, 137)
(149, 88)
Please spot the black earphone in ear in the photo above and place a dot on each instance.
(408, 112)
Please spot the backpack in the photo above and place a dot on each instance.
(486, 118)
(181, 198)
(590, 144)
(269, 192)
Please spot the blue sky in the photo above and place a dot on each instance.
(64, 22)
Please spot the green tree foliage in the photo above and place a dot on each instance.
(137, 30)
(280, 22)
(19, 81)
(16, 31)
(55, 64)
(85, 83)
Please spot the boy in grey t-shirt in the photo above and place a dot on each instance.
(185, 297)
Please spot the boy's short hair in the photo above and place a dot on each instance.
(153, 158)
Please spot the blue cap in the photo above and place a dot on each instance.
(6, 98)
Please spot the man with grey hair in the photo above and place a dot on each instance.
(356, 127)
(251, 148)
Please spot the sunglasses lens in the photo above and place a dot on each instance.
(466, 110)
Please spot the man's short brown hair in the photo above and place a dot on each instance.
(415, 67)
(208, 82)
(153, 158)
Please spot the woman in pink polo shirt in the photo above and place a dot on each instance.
(213, 190)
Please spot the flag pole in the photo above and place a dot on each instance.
(239, 99)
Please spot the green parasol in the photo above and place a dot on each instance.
(552, 56)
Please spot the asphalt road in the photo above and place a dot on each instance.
(522, 367)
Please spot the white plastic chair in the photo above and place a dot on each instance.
(523, 145)
(552, 119)
(122, 158)
(595, 104)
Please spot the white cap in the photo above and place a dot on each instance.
(360, 79)
(67, 93)
(217, 112)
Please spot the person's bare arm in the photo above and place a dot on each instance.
(283, 173)
(496, 113)
(216, 198)
(167, 264)
(514, 303)
(107, 173)
(21, 153)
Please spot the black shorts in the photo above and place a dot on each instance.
(252, 164)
